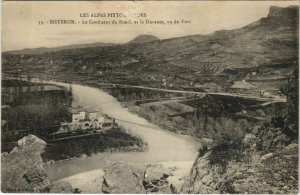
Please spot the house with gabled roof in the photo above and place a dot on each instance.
(244, 87)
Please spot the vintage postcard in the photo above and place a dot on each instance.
(138, 97)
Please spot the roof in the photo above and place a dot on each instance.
(75, 111)
(52, 88)
(243, 85)
(78, 110)
(171, 108)
(5, 106)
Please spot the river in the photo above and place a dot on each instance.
(164, 146)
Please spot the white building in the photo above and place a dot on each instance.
(92, 116)
(82, 115)
(79, 116)
(75, 117)
(101, 119)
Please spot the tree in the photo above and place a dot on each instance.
(292, 92)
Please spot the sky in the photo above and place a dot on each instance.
(20, 27)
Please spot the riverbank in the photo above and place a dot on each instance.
(113, 140)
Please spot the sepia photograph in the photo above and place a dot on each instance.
(141, 97)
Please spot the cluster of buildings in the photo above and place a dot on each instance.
(87, 121)
(245, 87)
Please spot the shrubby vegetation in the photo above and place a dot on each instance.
(289, 120)
(228, 141)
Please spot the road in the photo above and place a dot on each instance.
(244, 96)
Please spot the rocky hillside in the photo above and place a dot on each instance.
(123, 177)
(251, 170)
(22, 169)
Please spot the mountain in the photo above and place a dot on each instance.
(268, 47)
(290, 11)
(42, 50)
(143, 39)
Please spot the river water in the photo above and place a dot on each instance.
(164, 146)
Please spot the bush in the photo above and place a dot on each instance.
(228, 131)
(224, 152)
(260, 112)
(228, 138)
(292, 114)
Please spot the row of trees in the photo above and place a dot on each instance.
(35, 113)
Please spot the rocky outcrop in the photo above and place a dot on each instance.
(257, 171)
(121, 177)
(203, 177)
(61, 187)
(22, 169)
(290, 11)
(155, 179)
(275, 173)
(271, 139)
